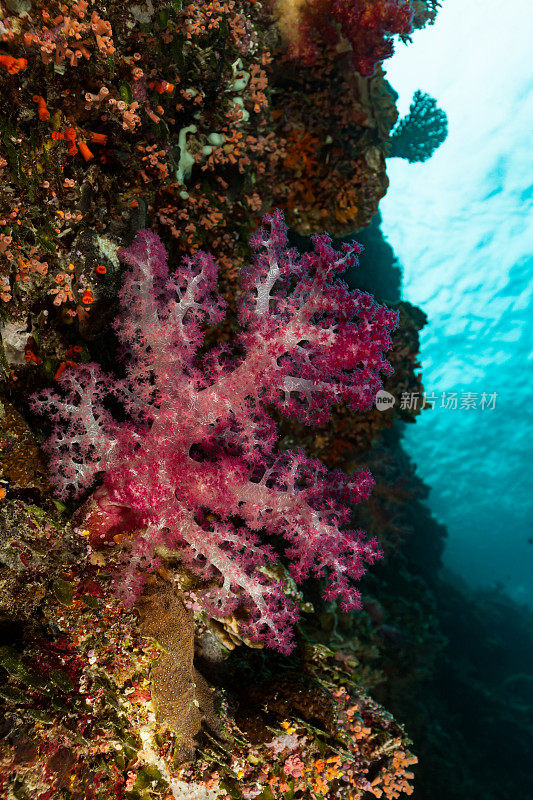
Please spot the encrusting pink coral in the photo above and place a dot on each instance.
(195, 468)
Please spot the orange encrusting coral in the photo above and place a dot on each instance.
(12, 65)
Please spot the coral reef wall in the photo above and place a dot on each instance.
(194, 120)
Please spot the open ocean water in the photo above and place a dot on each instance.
(462, 226)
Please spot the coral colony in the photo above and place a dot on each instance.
(366, 25)
(187, 419)
(194, 465)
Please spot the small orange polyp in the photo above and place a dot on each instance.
(63, 366)
(84, 150)
(42, 111)
(12, 65)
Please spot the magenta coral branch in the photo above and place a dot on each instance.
(86, 435)
(365, 25)
(194, 468)
(309, 341)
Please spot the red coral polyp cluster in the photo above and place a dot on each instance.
(367, 25)
(195, 469)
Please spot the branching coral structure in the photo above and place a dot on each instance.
(193, 465)
(421, 132)
(366, 26)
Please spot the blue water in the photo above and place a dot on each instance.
(462, 226)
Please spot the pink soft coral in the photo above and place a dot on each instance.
(366, 24)
(194, 468)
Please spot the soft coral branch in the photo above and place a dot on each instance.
(309, 341)
(86, 433)
(194, 470)
(366, 24)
